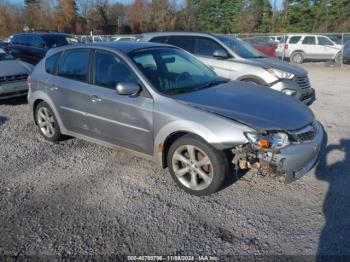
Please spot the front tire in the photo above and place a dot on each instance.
(338, 59)
(297, 57)
(196, 166)
(47, 122)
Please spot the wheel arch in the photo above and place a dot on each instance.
(36, 99)
(35, 105)
(255, 78)
(171, 132)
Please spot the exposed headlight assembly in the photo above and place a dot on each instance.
(276, 140)
(280, 74)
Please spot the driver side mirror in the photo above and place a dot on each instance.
(127, 89)
(220, 54)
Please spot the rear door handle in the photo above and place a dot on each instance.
(95, 99)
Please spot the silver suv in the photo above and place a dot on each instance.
(162, 103)
(237, 60)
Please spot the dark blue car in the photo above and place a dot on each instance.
(346, 53)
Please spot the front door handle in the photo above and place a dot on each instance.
(54, 88)
(95, 99)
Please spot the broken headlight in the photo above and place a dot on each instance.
(275, 140)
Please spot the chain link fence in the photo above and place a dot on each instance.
(329, 49)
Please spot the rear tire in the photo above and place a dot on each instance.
(297, 57)
(197, 167)
(47, 122)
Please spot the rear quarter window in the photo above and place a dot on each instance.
(294, 39)
(51, 63)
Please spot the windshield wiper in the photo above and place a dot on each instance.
(212, 83)
(177, 91)
(187, 90)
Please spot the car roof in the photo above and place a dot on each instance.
(166, 33)
(124, 47)
(303, 34)
(42, 33)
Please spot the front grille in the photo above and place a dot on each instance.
(22, 92)
(307, 136)
(307, 96)
(13, 78)
(302, 81)
(304, 134)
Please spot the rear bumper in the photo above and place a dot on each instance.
(15, 89)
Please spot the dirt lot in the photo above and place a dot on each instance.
(76, 198)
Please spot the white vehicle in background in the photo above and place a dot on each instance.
(300, 47)
(90, 39)
(277, 38)
(123, 38)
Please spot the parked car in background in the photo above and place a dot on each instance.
(164, 104)
(264, 44)
(32, 47)
(301, 47)
(123, 38)
(346, 53)
(277, 38)
(3, 45)
(237, 60)
(13, 76)
(90, 39)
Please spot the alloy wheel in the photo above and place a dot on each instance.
(46, 122)
(297, 58)
(192, 167)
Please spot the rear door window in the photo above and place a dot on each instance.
(26, 40)
(74, 64)
(294, 39)
(184, 42)
(309, 40)
(55, 40)
(206, 47)
(37, 42)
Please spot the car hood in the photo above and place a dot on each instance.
(269, 62)
(255, 106)
(14, 67)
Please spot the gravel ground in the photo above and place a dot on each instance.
(77, 198)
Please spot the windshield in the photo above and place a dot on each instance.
(5, 56)
(240, 47)
(172, 71)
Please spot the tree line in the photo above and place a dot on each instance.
(225, 16)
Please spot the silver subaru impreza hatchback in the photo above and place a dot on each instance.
(162, 103)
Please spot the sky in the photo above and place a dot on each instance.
(278, 2)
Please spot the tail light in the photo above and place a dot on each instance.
(286, 46)
(29, 82)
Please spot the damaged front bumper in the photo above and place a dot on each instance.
(291, 162)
